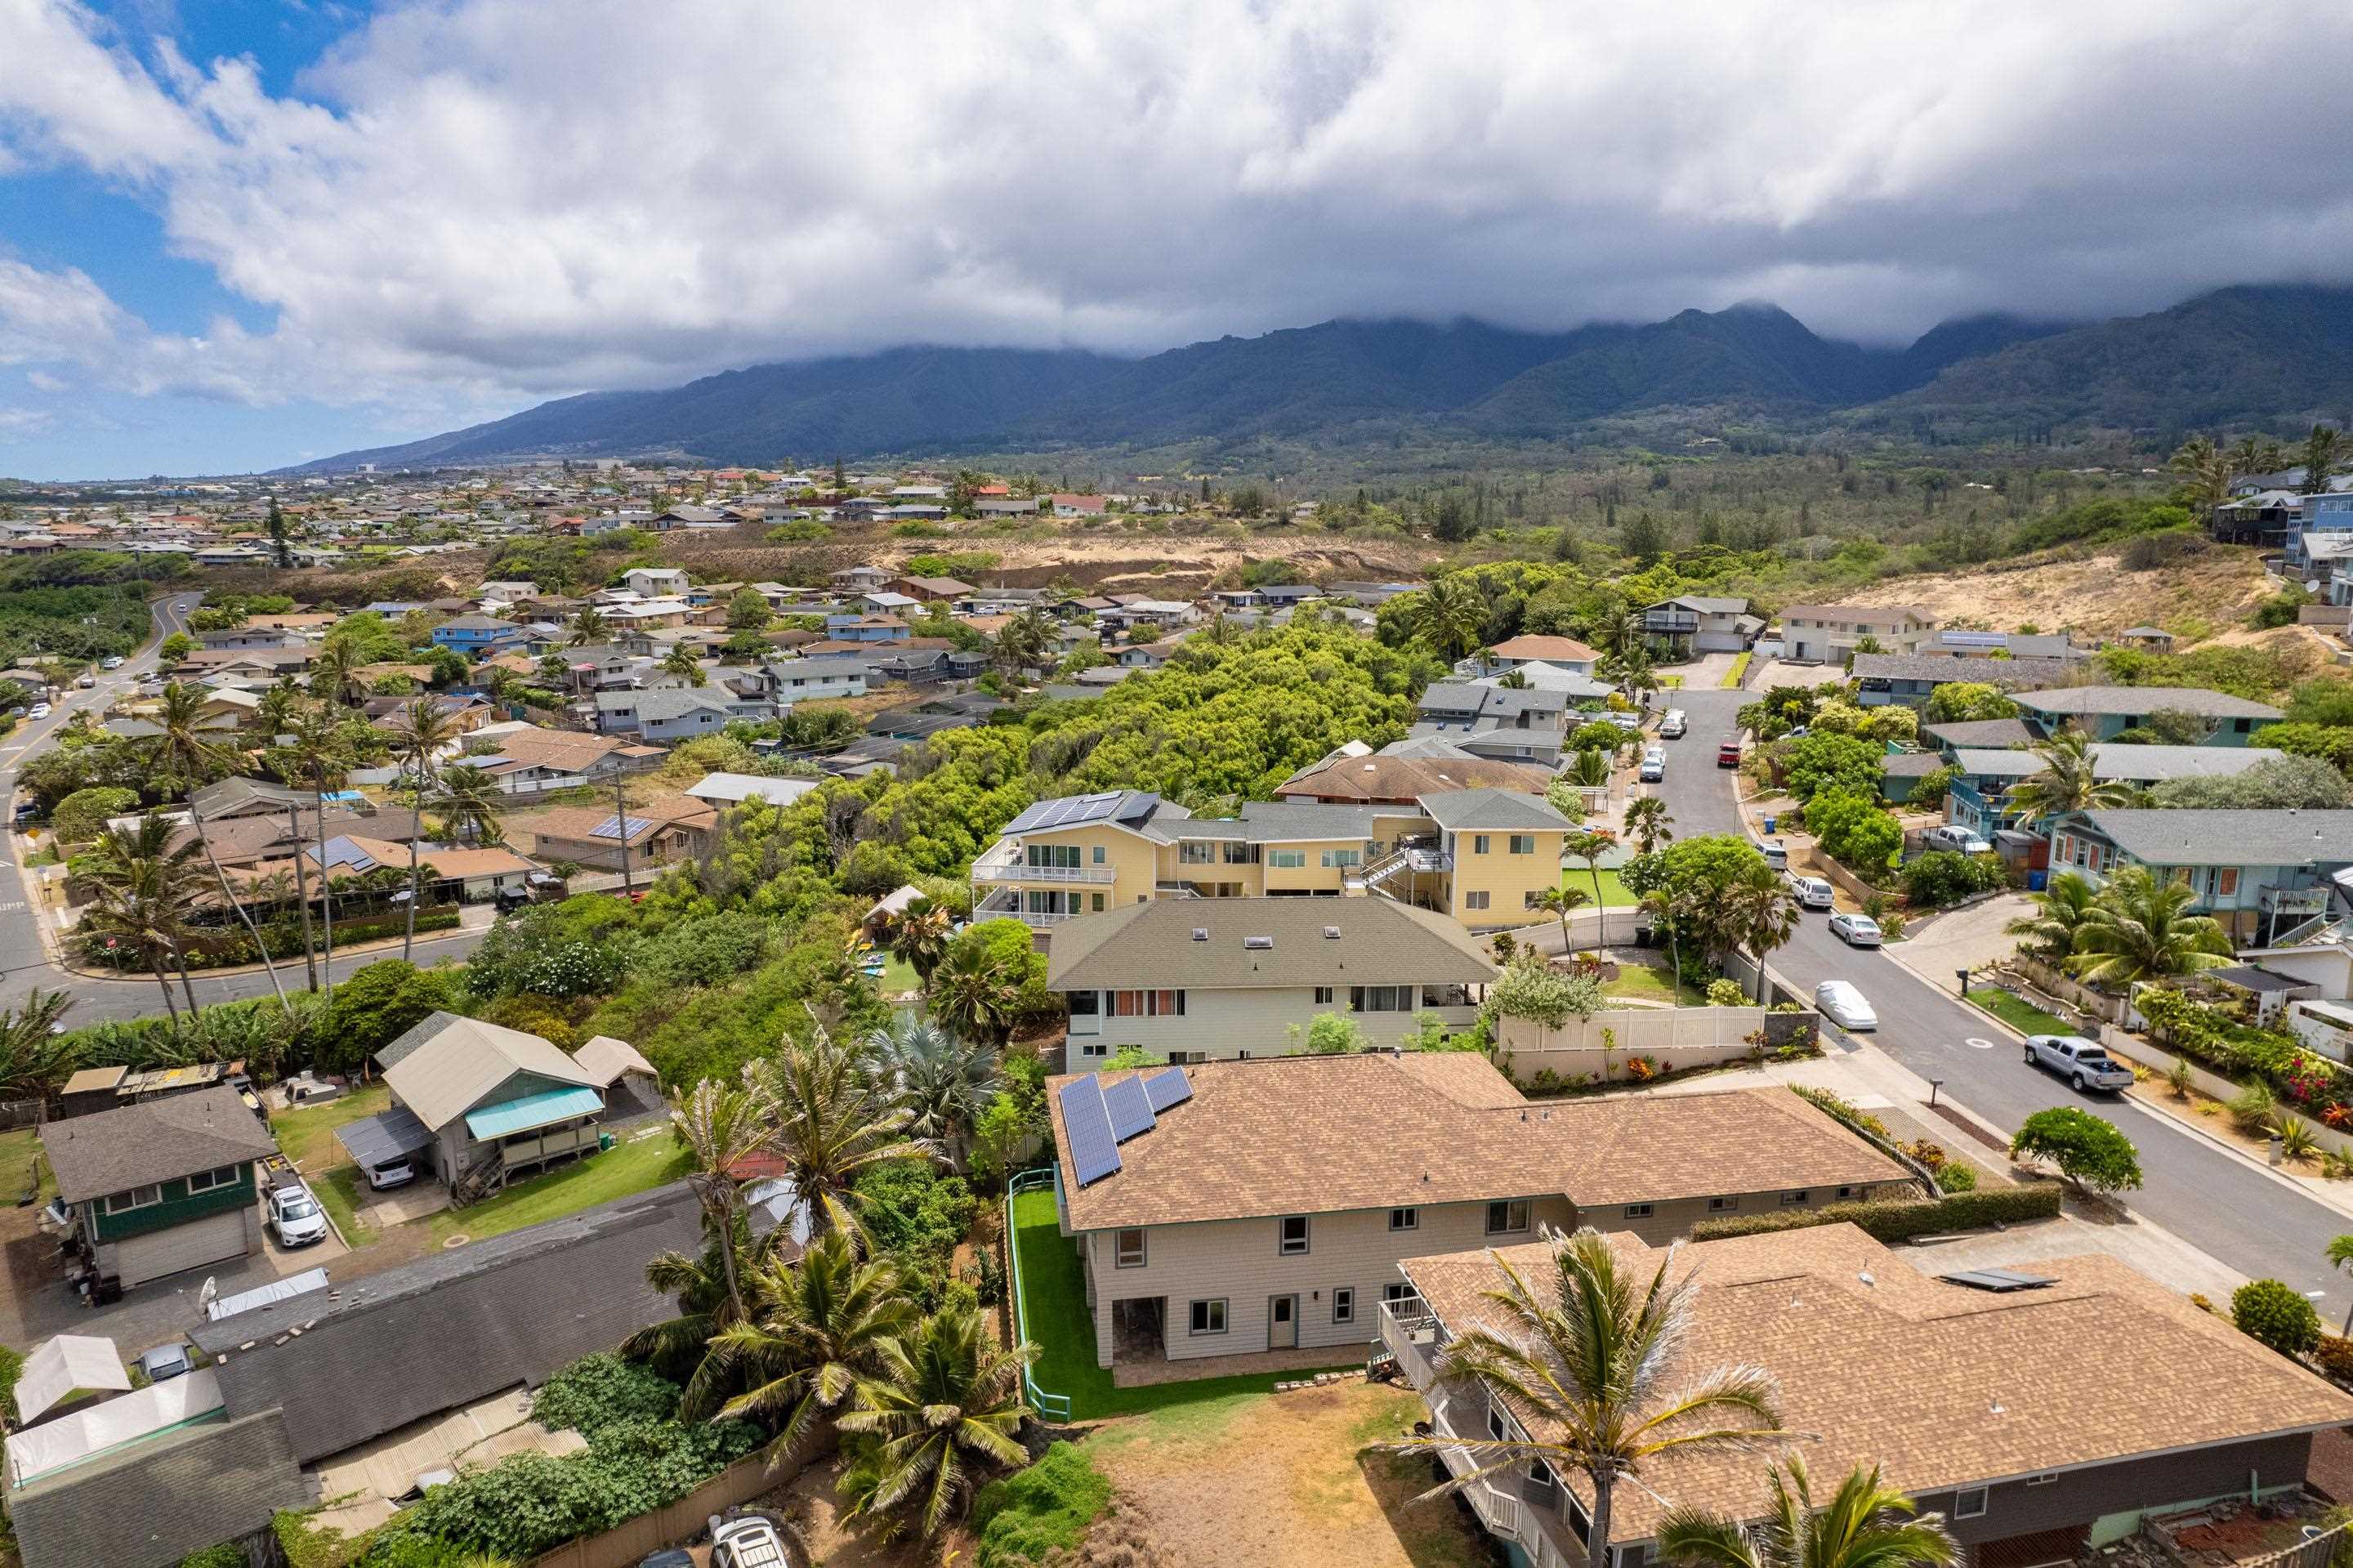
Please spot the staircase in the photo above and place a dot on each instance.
(485, 1177)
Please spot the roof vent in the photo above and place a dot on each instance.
(1331, 933)
(1200, 932)
(1258, 943)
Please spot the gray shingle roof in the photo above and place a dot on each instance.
(1494, 811)
(1381, 942)
(2136, 700)
(2003, 764)
(1945, 669)
(2229, 836)
(179, 1135)
(149, 1504)
(1910, 764)
(662, 703)
(1997, 734)
(411, 1341)
(2155, 764)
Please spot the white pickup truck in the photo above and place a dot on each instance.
(746, 1543)
(2081, 1062)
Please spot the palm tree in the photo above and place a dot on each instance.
(1561, 901)
(814, 1336)
(2322, 450)
(1761, 914)
(2205, 472)
(1589, 844)
(829, 1122)
(1667, 913)
(1590, 769)
(145, 889)
(277, 709)
(947, 1399)
(33, 1054)
(335, 673)
(182, 755)
(469, 804)
(419, 732)
(919, 936)
(679, 1347)
(943, 1082)
(2059, 910)
(2066, 782)
(588, 626)
(681, 662)
(1451, 618)
(2140, 930)
(1648, 823)
(1591, 1359)
(720, 1127)
(2340, 1254)
(974, 991)
(1023, 642)
(1868, 1525)
(321, 755)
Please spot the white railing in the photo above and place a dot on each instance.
(1009, 866)
(1008, 906)
(1411, 1333)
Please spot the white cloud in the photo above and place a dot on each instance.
(476, 200)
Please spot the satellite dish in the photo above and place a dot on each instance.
(209, 1294)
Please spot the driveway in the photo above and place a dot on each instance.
(1963, 938)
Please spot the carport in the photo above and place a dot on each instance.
(378, 1140)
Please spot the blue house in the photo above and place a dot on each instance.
(866, 629)
(1980, 796)
(2262, 873)
(475, 635)
(2106, 711)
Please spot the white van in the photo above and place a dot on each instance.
(1776, 853)
(1674, 727)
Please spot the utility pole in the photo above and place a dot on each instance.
(621, 831)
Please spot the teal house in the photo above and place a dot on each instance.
(2106, 711)
(164, 1186)
(2262, 873)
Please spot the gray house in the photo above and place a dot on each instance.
(668, 715)
(479, 1103)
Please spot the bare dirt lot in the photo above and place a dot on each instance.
(2205, 595)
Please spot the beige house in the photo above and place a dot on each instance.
(492, 1102)
(1193, 980)
(654, 834)
(1265, 1205)
(1828, 633)
(1085, 854)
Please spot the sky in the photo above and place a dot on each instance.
(240, 233)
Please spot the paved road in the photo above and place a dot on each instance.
(2206, 1196)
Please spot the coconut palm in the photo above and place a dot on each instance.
(336, 673)
(944, 1081)
(2059, 912)
(813, 1337)
(1561, 901)
(2065, 782)
(33, 1054)
(1590, 769)
(975, 990)
(469, 804)
(1867, 1524)
(948, 1401)
(1024, 642)
(1669, 914)
(1589, 844)
(184, 754)
(681, 662)
(277, 709)
(420, 731)
(2205, 472)
(919, 936)
(1648, 823)
(828, 1122)
(679, 1347)
(2140, 929)
(1451, 618)
(1760, 914)
(321, 755)
(2322, 450)
(1584, 1361)
(588, 626)
(146, 888)
(720, 1127)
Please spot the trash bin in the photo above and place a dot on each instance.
(2037, 880)
(1772, 824)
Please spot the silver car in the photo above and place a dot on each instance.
(296, 1217)
(1956, 837)
(1842, 1003)
(2082, 1063)
(1856, 930)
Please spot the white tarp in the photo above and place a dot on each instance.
(68, 1363)
(300, 1284)
(74, 1437)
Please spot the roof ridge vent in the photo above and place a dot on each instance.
(1200, 932)
(1331, 933)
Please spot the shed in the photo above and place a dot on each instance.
(68, 1364)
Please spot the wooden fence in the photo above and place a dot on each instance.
(629, 1544)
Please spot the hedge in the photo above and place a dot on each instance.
(286, 941)
(1901, 1221)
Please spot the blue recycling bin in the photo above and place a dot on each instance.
(2037, 880)
(1772, 824)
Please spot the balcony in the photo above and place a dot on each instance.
(1006, 863)
(1008, 906)
(1411, 1335)
(1512, 1507)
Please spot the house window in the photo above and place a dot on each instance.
(1845, 1192)
(1722, 1205)
(1324, 994)
(1098, 855)
(1405, 1219)
(1799, 1196)
(1209, 1317)
(137, 1198)
(1286, 860)
(1127, 1248)
(1094, 1048)
(2226, 882)
(1291, 1233)
(1098, 902)
(2044, 1479)
(1063, 857)
(1474, 900)
(1344, 1305)
(1393, 1293)
(1194, 853)
(1340, 857)
(1478, 844)
(1524, 843)
(1240, 854)
(1638, 1211)
(1543, 1487)
(212, 1181)
(1147, 1004)
(1969, 1504)
(1529, 899)
(1506, 1216)
(1380, 998)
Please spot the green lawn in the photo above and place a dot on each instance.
(633, 1167)
(308, 1135)
(1055, 1299)
(18, 1148)
(2019, 1015)
(1613, 892)
(341, 1193)
(1647, 982)
(899, 977)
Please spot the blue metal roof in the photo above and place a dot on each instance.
(533, 1111)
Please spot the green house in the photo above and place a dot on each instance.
(164, 1186)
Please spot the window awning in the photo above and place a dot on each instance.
(533, 1111)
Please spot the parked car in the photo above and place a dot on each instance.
(111, 662)
(1856, 930)
(1812, 892)
(748, 1543)
(40, 710)
(296, 1217)
(399, 1173)
(164, 1362)
(1843, 1005)
(1655, 766)
(1953, 836)
(1776, 853)
(1728, 755)
(1627, 721)
(1675, 726)
(87, 682)
(2083, 1063)
(669, 1557)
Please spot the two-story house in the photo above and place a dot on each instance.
(670, 829)
(1980, 795)
(1699, 623)
(2106, 711)
(1913, 678)
(477, 635)
(655, 582)
(1404, 771)
(1234, 1207)
(164, 1185)
(1501, 723)
(1560, 653)
(1829, 634)
(672, 714)
(1194, 979)
(2263, 873)
(794, 681)
(867, 629)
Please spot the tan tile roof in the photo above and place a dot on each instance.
(1291, 1135)
(1532, 646)
(1403, 779)
(1942, 1385)
(574, 823)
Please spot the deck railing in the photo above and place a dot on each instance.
(1048, 1406)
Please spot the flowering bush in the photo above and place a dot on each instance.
(1641, 1069)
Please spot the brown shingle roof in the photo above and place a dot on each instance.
(1529, 645)
(1326, 1134)
(1382, 776)
(1942, 1385)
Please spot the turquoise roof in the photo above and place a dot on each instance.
(533, 1111)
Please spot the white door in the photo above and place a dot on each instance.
(159, 1253)
(1283, 1323)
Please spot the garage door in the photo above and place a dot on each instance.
(147, 1257)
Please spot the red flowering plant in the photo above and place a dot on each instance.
(2310, 1079)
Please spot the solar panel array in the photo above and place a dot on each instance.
(341, 853)
(1110, 805)
(1131, 1108)
(1169, 1088)
(621, 827)
(1094, 1152)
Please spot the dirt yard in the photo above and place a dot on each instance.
(2202, 596)
(1286, 1480)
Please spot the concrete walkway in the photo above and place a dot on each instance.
(1971, 938)
(1252, 1364)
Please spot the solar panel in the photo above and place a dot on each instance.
(1999, 1280)
(621, 827)
(1169, 1088)
(1130, 1108)
(341, 853)
(1094, 1153)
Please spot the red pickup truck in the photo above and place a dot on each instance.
(1728, 755)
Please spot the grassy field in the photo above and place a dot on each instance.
(18, 1146)
(308, 1135)
(635, 1166)
(1645, 983)
(1613, 892)
(2018, 1014)
(1056, 1300)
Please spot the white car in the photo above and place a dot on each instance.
(111, 662)
(1655, 766)
(1952, 836)
(749, 1542)
(1675, 726)
(1842, 1004)
(1856, 930)
(1811, 892)
(296, 1217)
(2082, 1063)
(399, 1173)
(40, 710)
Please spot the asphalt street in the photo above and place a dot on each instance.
(2207, 1196)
